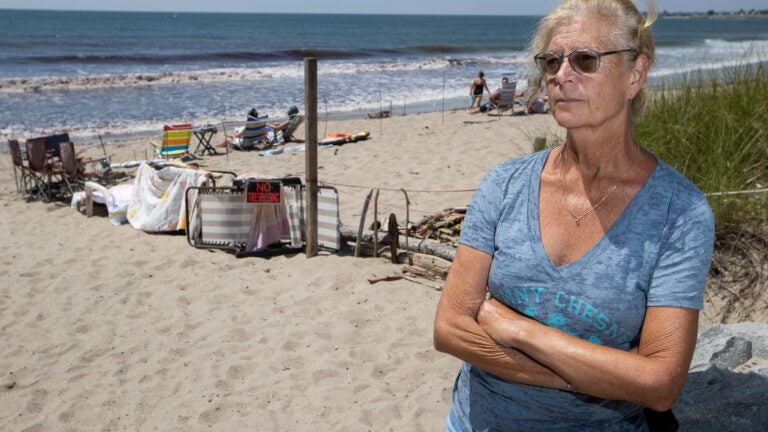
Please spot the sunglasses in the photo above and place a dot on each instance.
(583, 61)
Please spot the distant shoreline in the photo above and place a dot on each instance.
(742, 14)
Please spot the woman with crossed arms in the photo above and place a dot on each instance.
(594, 253)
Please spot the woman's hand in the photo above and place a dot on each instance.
(502, 324)
(457, 331)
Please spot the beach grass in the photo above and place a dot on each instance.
(715, 131)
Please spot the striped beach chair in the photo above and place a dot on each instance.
(254, 135)
(221, 218)
(328, 223)
(255, 132)
(175, 141)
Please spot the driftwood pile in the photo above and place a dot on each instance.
(444, 227)
(426, 247)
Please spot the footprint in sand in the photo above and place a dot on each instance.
(35, 405)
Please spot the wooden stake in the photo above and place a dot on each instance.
(394, 237)
(362, 222)
(376, 224)
(407, 221)
(310, 169)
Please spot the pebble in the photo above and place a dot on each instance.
(8, 382)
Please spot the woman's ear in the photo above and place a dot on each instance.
(638, 76)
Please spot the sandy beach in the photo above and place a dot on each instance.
(109, 328)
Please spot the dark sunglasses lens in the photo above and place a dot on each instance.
(583, 62)
(548, 63)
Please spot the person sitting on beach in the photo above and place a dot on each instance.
(537, 105)
(484, 108)
(536, 101)
(286, 128)
(237, 139)
(495, 96)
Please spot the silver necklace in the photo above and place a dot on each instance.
(578, 218)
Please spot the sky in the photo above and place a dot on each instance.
(461, 7)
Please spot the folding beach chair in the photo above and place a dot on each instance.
(251, 213)
(328, 223)
(251, 135)
(75, 172)
(255, 133)
(21, 173)
(175, 142)
(277, 137)
(507, 97)
(229, 218)
(52, 143)
(291, 128)
(41, 171)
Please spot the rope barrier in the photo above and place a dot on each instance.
(401, 189)
(745, 192)
(393, 206)
(753, 191)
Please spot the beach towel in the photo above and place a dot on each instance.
(280, 150)
(157, 198)
(340, 138)
(117, 200)
(272, 223)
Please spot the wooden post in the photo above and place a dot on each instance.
(88, 202)
(407, 222)
(310, 168)
(394, 238)
(361, 227)
(376, 224)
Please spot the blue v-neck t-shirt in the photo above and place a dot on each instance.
(656, 253)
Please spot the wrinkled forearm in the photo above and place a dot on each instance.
(463, 338)
(651, 376)
(458, 333)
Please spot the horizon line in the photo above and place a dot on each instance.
(339, 13)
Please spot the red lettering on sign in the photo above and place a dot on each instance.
(264, 197)
(263, 187)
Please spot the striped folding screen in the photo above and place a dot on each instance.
(328, 223)
(175, 140)
(225, 217)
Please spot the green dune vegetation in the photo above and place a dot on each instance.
(715, 131)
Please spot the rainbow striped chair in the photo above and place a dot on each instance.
(175, 142)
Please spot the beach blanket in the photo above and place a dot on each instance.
(157, 198)
(271, 223)
(337, 140)
(282, 149)
(341, 138)
(268, 224)
(117, 200)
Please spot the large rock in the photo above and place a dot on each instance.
(727, 385)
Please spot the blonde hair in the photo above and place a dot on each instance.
(625, 26)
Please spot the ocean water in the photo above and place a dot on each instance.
(123, 74)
